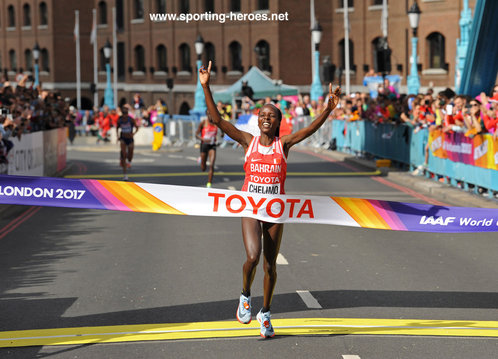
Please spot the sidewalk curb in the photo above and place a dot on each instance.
(441, 191)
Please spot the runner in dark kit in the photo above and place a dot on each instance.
(265, 167)
(128, 128)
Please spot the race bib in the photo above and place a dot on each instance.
(263, 188)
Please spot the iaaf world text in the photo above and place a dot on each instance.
(467, 221)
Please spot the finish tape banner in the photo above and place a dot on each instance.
(197, 201)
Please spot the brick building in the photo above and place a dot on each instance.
(150, 52)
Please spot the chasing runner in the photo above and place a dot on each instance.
(206, 132)
(128, 128)
(265, 167)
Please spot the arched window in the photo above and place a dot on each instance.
(44, 60)
(208, 5)
(435, 44)
(235, 50)
(138, 9)
(102, 13)
(13, 60)
(162, 62)
(185, 57)
(12, 16)
(262, 50)
(184, 109)
(183, 6)
(43, 14)
(235, 5)
(161, 6)
(26, 15)
(28, 59)
(140, 58)
(263, 5)
(209, 53)
(342, 52)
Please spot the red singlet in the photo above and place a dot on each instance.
(208, 134)
(265, 167)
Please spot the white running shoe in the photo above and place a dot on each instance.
(244, 310)
(266, 327)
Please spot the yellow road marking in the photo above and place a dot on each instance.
(225, 329)
(190, 174)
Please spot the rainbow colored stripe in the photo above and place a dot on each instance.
(371, 213)
(127, 196)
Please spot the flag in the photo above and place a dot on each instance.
(76, 31)
(93, 34)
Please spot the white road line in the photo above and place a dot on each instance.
(351, 357)
(175, 156)
(231, 188)
(226, 179)
(192, 158)
(308, 299)
(281, 260)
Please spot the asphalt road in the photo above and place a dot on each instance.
(73, 268)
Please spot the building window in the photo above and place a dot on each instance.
(119, 15)
(161, 6)
(12, 16)
(13, 60)
(161, 58)
(235, 50)
(28, 59)
(263, 5)
(26, 15)
(185, 58)
(262, 51)
(377, 2)
(435, 42)
(209, 5)
(44, 60)
(342, 52)
(209, 53)
(140, 58)
(183, 6)
(350, 3)
(102, 13)
(138, 9)
(235, 5)
(43, 14)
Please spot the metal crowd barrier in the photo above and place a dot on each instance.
(407, 147)
(180, 129)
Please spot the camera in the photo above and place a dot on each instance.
(4, 111)
(427, 102)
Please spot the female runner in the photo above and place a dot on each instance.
(207, 132)
(265, 167)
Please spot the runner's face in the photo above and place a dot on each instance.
(268, 120)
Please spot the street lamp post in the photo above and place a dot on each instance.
(200, 102)
(108, 94)
(316, 85)
(413, 79)
(36, 56)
